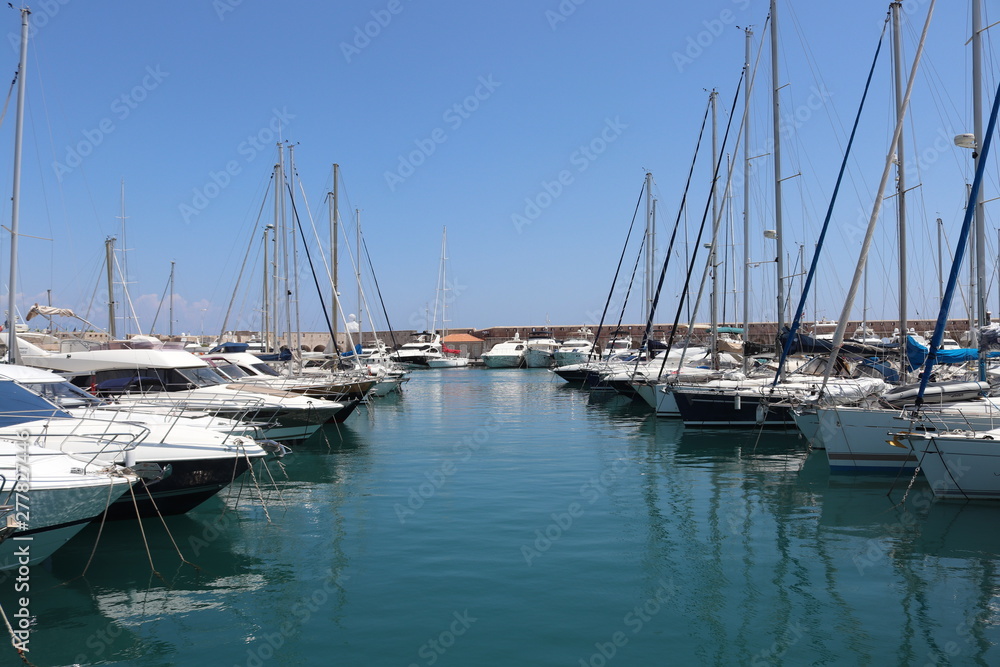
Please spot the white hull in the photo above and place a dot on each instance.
(857, 439)
(807, 422)
(459, 362)
(57, 503)
(503, 360)
(960, 466)
(565, 358)
(535, 358)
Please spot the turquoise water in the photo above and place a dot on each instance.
(492, 517)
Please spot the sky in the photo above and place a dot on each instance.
(524, 128)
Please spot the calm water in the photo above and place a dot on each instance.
(491, 517)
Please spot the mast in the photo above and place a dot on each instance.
(776, 129)
(746, 199)
(265, 321)
(294, 289)
(838, 336)
(897, 45)
(714, 302)
(444, 283)
(357, 215)
(980, 224)
(15, 209)
(109, 259)
(334, 237)
(283, 228)
(275, 233)
(170, 304)
(650, 250)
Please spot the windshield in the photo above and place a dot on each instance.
(266, 370)
(231, 371)
(201, 377)
(63, 394)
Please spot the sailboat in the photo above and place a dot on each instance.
(449, 358)
(857, 438)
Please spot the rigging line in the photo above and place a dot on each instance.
(838, 336)
(614, 281)
(159, 307)
(13, 82)
(673, 234)
(128, 297)
(959, 255)
(378, 291)
(704, 217)
(829, 215)
(239, 277)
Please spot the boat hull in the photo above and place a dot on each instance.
(715, 409)
(188, 484)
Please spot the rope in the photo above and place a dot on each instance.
(169, 534)
(9, 93)
(13, 637)
(142, 531)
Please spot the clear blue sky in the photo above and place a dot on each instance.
(458, 114)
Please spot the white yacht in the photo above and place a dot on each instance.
(576, 350)
(541, 349)
(508, 354)
(60, 496)
(188, 459)
(424, 347)
(181, 380)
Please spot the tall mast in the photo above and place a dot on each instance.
(265, 320)
(283, 228)
(980, 224)
(357, 214)
(293, 236)
(713, 96)
(444, 282)
(650, 249)
(15, 209)
(273, 269)
(746, 198)
(334, 237)
(170, 303)
(897, 46)
(776, 129)
(109, 259)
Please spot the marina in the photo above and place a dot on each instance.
(492, 516)
(755, 423)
